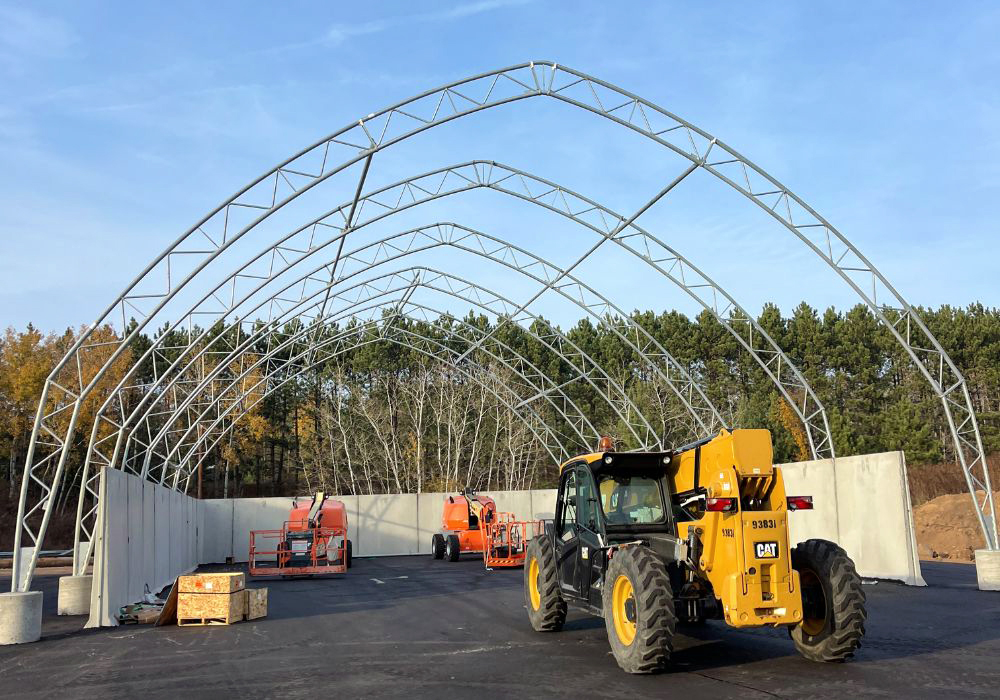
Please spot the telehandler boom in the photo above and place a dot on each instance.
(649, 539)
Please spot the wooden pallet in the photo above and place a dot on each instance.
(203, 621)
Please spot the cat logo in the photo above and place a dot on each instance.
(766, 550)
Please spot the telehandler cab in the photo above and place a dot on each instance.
(647, 539)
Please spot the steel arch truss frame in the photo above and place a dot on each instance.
(583, 366)
(469, 176)
(706, 417)
(586, 368)
(69, 385)
(319, 355)
(437, 275)
(385, 314)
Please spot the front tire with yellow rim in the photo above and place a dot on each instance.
(545, 604)
(639, 610)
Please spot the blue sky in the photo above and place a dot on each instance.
(121, 124)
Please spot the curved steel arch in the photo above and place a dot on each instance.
(307, 330)
(218, 435)
(453, 101)
(580, 361)
(547, 387)
(652, 251)
(553, 337)
(476, 243)
(578, 422)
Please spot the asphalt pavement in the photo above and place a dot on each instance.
(412, 627)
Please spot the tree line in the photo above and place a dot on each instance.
(383, 417)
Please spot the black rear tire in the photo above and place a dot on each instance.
(437, 546)
(348, 554)
(641, 623)
(833, 603)
(453, 548)
(540, 561)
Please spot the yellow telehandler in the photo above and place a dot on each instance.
(647, 539)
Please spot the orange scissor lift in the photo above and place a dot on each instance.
(473, 525)
(312, 541)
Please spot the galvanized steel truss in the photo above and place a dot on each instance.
(71, 383)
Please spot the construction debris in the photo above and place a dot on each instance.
(139, 614)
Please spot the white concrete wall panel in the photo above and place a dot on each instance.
(543, 504)
(256, 514)
(516, 502)
(351, 506)
(875, 516)
(149, 530)
(217, 530)
(429, 509)
(863, 504)
(117, 542)
(814, 479)
(136, 542)
(161, 534)
(387, 525)
(147, 536)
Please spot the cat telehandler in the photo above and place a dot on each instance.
(647, 539)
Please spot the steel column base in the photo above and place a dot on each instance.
(74, 595)
(988, 569)
(20, 617)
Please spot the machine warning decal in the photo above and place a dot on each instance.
(766, 550)
(728, 532)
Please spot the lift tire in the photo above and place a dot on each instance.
(453, 548)
(833, 603)
(437, 546)
(348, 554)
(542, 597)
(638, 605)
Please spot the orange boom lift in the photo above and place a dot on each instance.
(312, 541)
(473, 524)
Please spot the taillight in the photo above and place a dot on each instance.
(724, 505)
(800, 502)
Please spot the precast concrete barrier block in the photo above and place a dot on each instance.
(988, 569)
(74, 595)
(20, 617)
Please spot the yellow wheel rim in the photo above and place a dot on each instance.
(536, 597)
(623, 608)
(811, 623)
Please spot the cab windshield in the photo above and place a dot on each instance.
(630, 500)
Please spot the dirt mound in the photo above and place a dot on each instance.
(947, 527)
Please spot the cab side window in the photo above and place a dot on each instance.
(586, 509)
(568, 512)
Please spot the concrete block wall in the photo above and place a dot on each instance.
(380, 525)
(146, 535)
(863, 504)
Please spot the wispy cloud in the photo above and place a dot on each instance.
(26, 36)
(340, 33)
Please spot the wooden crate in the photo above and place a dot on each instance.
(211, 583)
(256, 603)
(211, 608)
